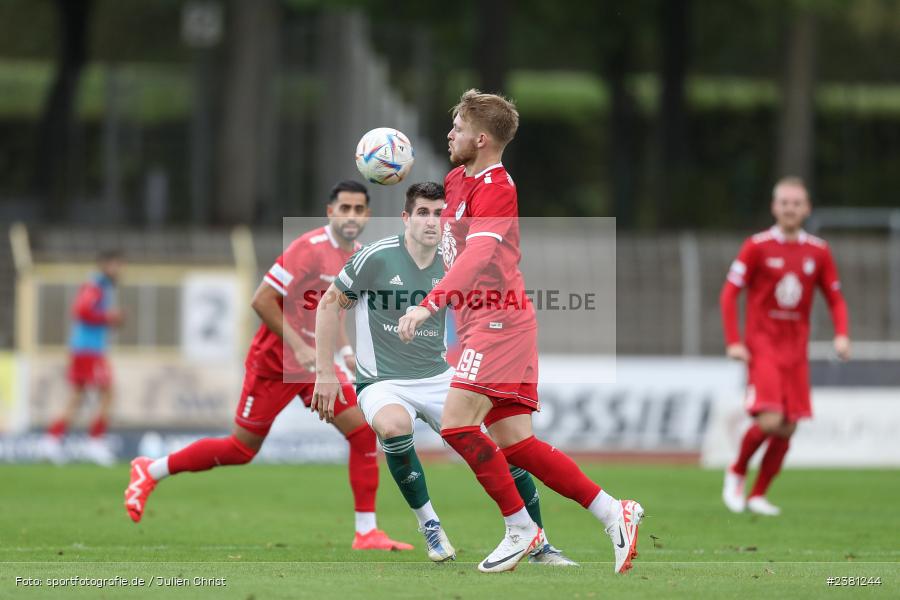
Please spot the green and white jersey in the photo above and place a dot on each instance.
(385, 281)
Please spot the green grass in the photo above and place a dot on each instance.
(285, 531)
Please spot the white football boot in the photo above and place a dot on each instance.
(624, 534)
(98, 452)
(437, 542)
(733, 492)
(51, 448)
(760, 506)
(517, 543)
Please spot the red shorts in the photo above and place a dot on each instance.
(89, 370)
(502, 365)
(262, 399)
(777, 388)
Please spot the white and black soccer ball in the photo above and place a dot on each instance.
(384, 156)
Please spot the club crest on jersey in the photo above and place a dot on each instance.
(775, 262)
(460, 210)
(809, 266)
(448, 246)
(789, 291)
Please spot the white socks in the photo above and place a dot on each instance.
(518, 519)
(159, 468)
(425, 513)
(365, 522)
(606, 508)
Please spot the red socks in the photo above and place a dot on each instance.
(57, 428)
(753, 439)
(207, 453)
(554, 468)
(98, 427)
(491, 469)
(771, 464)
(363, 467)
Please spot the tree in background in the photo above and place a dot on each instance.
(796, 133)
(248, 125)
(51, 176)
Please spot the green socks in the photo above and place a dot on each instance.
(406, 469)
(528, 492)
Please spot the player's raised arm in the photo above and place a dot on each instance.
(266, 304)
(830, 284)
(327, 388)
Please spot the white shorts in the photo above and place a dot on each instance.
(422, 398)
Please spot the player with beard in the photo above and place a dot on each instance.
(781, 269)
(281, 364)
(495, 381)
(396, 382)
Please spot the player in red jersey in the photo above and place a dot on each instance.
(273, 377)
(780, 268)
(496, 379)
(94, 312)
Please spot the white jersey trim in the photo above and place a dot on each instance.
(274, 284)
(330, 236)
(281, 275)
(480, 173)
(365, 347)
(360, 260)
(496, 236)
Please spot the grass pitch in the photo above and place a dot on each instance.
(285, 532)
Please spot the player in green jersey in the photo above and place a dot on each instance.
(397, 382)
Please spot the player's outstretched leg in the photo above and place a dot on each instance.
(407, 471)
(545, 553)
(202, 455)
(621, 518)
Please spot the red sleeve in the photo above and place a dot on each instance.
(291, 267)
(492, 211)
(87, 305)
(830, 284)
(740, 272)
(728, 302)
(479, 252)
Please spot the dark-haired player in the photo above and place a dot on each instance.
(94, 312)
(275, 376)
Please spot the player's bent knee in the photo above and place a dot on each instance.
(251, 441)
(769, 422)
(787, 429)
(392, 420)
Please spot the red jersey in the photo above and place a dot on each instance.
(780, 277)
(487, 290)
(302, 276)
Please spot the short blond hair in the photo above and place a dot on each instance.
(493, 113)
(791, 180)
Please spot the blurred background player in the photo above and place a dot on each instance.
(398, 382)
(780, 267)
(495, 382)
(280, 365)
(94, 312)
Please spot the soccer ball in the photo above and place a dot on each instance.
(385, 156)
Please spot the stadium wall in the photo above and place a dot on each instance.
(657, 409)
